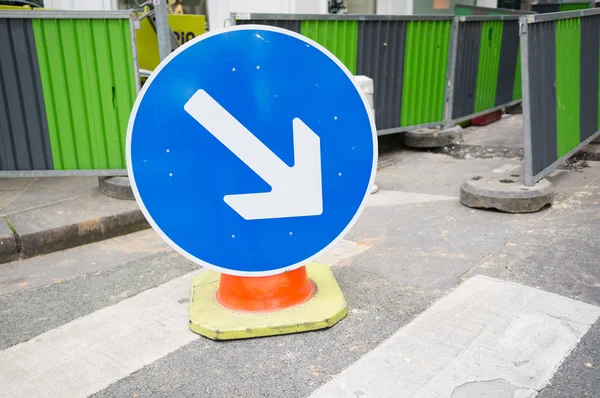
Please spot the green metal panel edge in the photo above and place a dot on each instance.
(339, 37)
(425, 68)
(489, 62)
(568, 60)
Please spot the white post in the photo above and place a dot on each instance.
(395, 7)
(366, 85)
(218, 12)
(78, 5)
(487, 3)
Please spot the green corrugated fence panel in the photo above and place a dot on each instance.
(425, 67)
(518, 89)
(86, 67)
(574, 7)
(568, 44)
(339, 37)
(489, 61)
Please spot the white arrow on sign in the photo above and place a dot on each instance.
(295, 191)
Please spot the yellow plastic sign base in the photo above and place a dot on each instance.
(210, 319)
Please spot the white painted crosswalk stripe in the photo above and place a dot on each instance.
(90, 353)
(94, 351)
(488, 336)
(391, 198)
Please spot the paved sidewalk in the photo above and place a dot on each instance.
(43, 215)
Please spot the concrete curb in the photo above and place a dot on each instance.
(8, 243)
(433, 138)
(68, 236)
(67, 224)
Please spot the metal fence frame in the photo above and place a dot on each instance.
(52, 14)
(360, 18)
(452, 55)
(449, 121)
(524, 22)
(242, 16)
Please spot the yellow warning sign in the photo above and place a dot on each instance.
(186, 27)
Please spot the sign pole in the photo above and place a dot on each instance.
(163, 31)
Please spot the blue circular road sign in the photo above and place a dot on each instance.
(251, 150)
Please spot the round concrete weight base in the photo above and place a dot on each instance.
(433, 138)
(116, 187)
(515, 110)
(506, 192)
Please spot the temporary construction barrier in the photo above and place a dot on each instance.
(69, 80)
(559, 6)
(406, 56)
(485, 72)
(466, 10)
(560, 87)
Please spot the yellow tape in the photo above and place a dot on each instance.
(16, 8)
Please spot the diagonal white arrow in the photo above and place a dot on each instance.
(296, 191)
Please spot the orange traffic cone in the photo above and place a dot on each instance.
(265, 293)
(227, 307)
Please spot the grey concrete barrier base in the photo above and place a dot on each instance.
(506, 192)
(433, 138)
(116, 187)
(515, 110)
